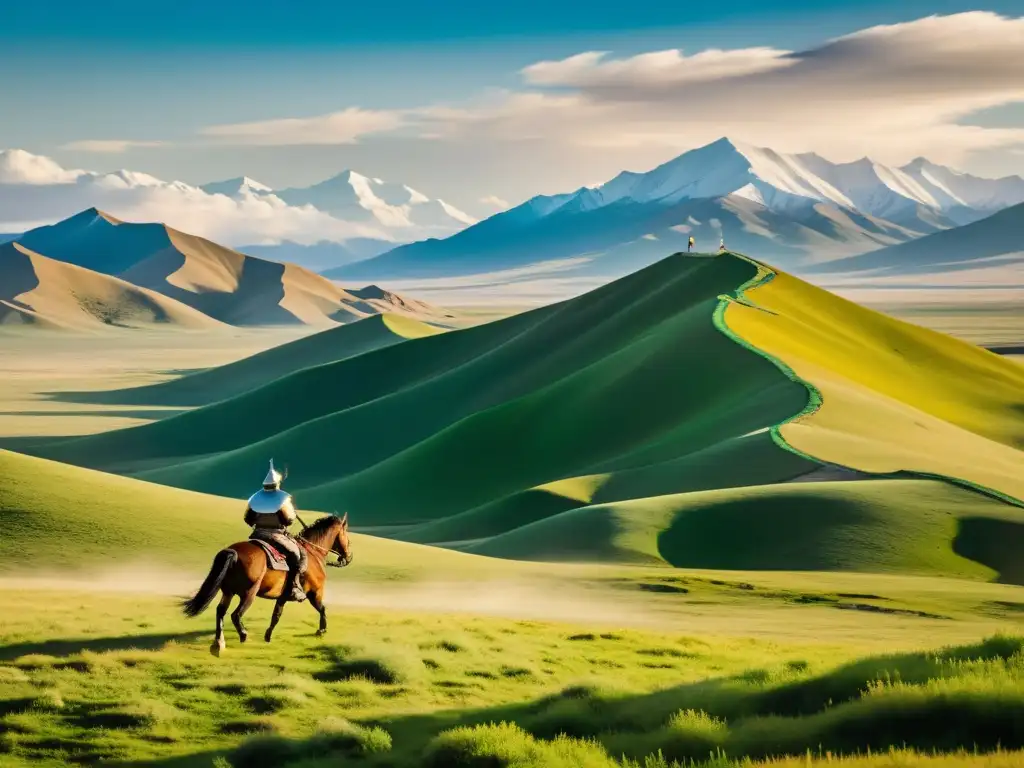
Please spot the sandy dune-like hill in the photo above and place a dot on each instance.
(40, 291)
(222, 283)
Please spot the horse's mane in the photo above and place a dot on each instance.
(322, 526)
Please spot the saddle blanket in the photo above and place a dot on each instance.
(275, 560)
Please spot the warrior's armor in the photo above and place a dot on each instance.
(270, 511)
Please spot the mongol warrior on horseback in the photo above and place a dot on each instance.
(270, 511)
(251, 569)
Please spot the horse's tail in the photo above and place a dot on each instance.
(221, 565)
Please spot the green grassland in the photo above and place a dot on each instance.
(122, 679)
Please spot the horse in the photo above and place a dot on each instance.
(242, 570)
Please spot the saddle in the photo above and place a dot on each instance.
(276, 560)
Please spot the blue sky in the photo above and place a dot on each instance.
(165, 71)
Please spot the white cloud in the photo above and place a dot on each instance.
(658, 68)
(36, 190)
(894, 92)
(495, 202)
(109, 146)
(344, 127)
(20, 167)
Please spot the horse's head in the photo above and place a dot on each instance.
(342, 546)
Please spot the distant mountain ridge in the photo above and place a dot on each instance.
(406, 213)
(791, 208)
(39, 291)
(354, 197)
(216, 282)
(348, 207)
(994, 241)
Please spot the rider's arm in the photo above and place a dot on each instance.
(250, 517)
(286, 514)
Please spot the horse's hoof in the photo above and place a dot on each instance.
(243, 636)
(217, 647)
(321, 632)
(266, 637)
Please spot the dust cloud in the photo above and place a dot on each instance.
(532, 599)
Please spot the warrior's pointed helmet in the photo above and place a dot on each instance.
(273, 479)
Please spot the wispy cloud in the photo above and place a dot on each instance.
(903, 86)
(655, 69)
(344, 127)
(109, 146)
(893, 92)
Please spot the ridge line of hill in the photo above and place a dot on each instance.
(765, 274)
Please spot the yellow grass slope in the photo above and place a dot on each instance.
(47, 293)
(894, 397)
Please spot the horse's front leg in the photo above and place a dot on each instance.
(218, 645)
(316, 599)
(275, 617)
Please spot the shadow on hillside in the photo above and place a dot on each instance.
(140, 413)
(994, 543)
(1006, 349)
(147, 394)
(763, 712)
(69, 647)
(25, 443)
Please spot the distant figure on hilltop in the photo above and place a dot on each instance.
(721, 244)
(689, 245)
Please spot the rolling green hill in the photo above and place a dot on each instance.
(647, 421)
(910, 526)
(215, 384)
(627, 376)
(60, 517)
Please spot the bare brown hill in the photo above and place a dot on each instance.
(36, 290)
(220, 282)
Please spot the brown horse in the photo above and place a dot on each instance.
(242, 570)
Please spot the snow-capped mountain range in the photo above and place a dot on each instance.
(781, 182)
(36, 190)
(793, 208)
(350, 196)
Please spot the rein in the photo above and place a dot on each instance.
(325, 550)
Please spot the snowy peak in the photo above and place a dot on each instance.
(234, 188)
(965, 189)
(792, 183)
(354, 196)
(727, 167)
